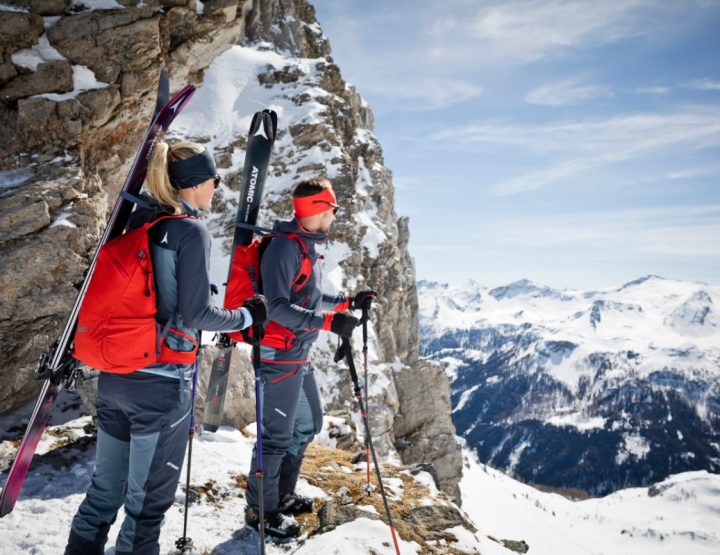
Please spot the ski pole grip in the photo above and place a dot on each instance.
(364, 320)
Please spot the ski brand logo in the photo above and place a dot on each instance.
(164, 239)
(261, 132)
(253, 183)
(175, 106)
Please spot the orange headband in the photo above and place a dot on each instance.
(315, 204)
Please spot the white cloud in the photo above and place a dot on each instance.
(565, 93)
(674, 231)
(437, 54)
(657, 89)
(576, 147)
(526, 31)
(694, 172)
(704, 85)
(427, 94)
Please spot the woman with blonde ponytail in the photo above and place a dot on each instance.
(143, 416)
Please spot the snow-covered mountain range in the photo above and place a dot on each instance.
(582, 390)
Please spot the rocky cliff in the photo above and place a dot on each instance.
(76, 85)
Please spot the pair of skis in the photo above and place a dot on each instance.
(261, 137)
(57, 366)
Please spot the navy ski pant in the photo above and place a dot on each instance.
(141, 440)
(291, 417)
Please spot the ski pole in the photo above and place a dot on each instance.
(365, 316)
(185, 544)
(257, 334)
(345, 350)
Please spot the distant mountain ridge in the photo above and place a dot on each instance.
(591, 390)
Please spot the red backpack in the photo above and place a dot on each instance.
(117, 331)
(245, 281)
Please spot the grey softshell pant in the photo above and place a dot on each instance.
(291, 417)
(142, 435)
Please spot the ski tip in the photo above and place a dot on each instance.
(264, 124)
(6, 507)
(255, 123)
(273, 120)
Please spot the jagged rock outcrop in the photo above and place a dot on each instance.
(94, 133)
(63, 155)
(42, 256)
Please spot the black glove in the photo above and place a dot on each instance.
(258, 308)
(357, 302)
(343, 324)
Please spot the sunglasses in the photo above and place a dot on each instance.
(335, 208)
(217, 181)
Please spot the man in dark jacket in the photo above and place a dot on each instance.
(298, 311)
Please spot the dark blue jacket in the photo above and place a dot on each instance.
(180, 251)
(300, 311)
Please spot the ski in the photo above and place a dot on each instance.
(261, 137)
(57, 366)
(217, 385)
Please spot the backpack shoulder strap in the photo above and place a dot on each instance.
(306, 265)
(148, 225)
(306, 268)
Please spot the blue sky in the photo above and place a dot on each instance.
(573, 143)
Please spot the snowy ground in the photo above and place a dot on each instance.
(679, 515)
(41, 519)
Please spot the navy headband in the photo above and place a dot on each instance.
(192, 171)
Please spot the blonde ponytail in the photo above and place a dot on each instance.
(157, 182)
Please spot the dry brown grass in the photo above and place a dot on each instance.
(321, 468)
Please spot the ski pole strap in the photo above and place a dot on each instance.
(135, 200)
(254, 339)
(258, 334)
(346, 350)
(340, 353)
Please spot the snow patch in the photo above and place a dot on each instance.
(634, 445)
(83, 80)
(465, 397)
(579, 421)
(62, 220)
(374, 236)
(9, 8)
(42, 52)
(92, 5)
